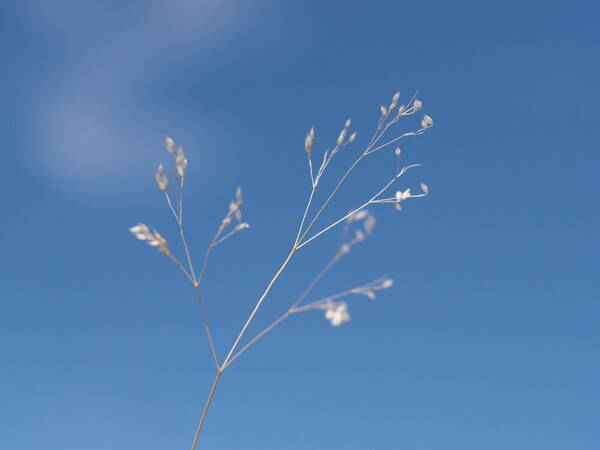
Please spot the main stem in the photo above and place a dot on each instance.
(206, 406)
(235, 344)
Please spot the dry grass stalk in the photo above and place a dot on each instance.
(359, 223)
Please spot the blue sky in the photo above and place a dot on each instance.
(488, 339)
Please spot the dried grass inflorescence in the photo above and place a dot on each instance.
(358, 224)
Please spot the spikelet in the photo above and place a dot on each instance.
(426, 122)
(169, 144)
(181, 162)
(309, 139)
(402, 195)
(341, 137)
(368, 290)
(151, 237)
(337, 313)
(161, 178)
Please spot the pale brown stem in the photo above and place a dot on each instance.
(258, 304)
(179, 265)
(258, 336)
(206, 406)
(204, 316)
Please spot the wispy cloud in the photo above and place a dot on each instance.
(93, 118)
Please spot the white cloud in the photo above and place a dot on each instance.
(91, 121)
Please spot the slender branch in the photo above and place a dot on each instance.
(258, 304)
(204, 316)
(317, 303)
(359, 208)
(168, 200)
(410, 133)
(192, 277)
(205, 262)
(291, 310)
(310, 198)
(376, 136)
(206, 406)
(257, 337)
(315, 280)
(182, 233)
(331, 195)
(180, 266)
(310, 168)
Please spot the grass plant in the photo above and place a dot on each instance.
(356, 226)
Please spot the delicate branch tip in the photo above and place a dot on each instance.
(368, 290)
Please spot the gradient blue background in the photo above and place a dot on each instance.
(489, 340)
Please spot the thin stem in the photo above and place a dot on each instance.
(315, 280)
(205, 262)
(182, 233)
(373, 140)
(310, 168)
(180, 266)
(310, 198)
(359, 208)
(204, 316)
(331, 195)
(206, 406)
(168, 200)
(291, 310)
(192, 277)
(258, 336)
(227, 236)
(317, 303)
(258, 304)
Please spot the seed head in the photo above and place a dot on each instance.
(161, 179)
(426, 122)
(181, 162)
(309, 139)
(402, 195)
(337, 313)
(169, 144)
(369, 224)
(152, 238)
(341, 137)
